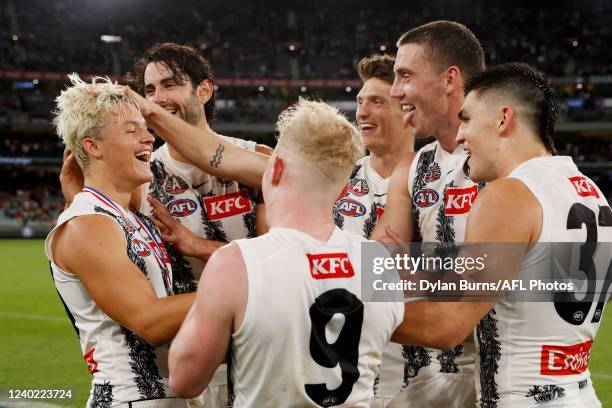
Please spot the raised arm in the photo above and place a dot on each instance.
(93, 248)
(398, 211)
(204, 148)
(203, 341)
(504, 212)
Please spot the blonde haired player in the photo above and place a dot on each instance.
(281, 298)
(108, 263)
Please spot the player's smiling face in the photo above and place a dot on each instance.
(379, 117)
(479, 135)
(420, 90)
(179, 99)
(126, 146)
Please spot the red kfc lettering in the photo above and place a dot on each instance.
(459, 200)
(583, 187)
(328, 266)
(227, 205)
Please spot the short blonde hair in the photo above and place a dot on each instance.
(319, 134)
(82, 113)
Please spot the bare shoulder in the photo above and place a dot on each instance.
(504, 211)
(88, 231)
(503, 196)
(83, 243)
(225, 267)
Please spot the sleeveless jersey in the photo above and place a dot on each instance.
(307, 338)
(442, 195)
(531, 353)
(211, 208)
(363, 200)
(123, 365)
(360, 206)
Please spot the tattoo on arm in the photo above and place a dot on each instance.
(216, 160)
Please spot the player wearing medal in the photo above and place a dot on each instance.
(108, 263)
(529, 354)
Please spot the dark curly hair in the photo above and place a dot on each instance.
(185, 63)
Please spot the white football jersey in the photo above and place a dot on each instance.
(211, 208)
(123, 365)
(363, 200)
(442, 195)
(307, 338)
(535, 354)
(358, 210)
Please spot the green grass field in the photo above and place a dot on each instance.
(40, 348)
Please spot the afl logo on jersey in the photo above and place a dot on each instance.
(182, 207)
(351, 208)
(359, 187)
(426, 198)
(141, 248)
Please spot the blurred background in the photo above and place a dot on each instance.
(264, 55)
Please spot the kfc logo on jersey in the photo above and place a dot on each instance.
(351, 208)
(227, 205)
(583, 186)
(330, 266)
(92, 365)
(426, 197)
(141, 248)
(459, 200)
(359, 187)
(182, 207)
(565, 360)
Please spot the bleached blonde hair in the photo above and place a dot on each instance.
(82, 111)
(319, 134)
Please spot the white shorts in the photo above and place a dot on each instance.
(438, 391)
(214, 396)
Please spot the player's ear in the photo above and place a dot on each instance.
(278, 166)
(204, 91)
(453, 79)
(505, 119)
(92, 147)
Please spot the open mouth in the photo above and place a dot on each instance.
(171, 109)
(366, 127)
(143, 156)
(406, 107)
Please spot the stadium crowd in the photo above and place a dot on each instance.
(274, 39)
